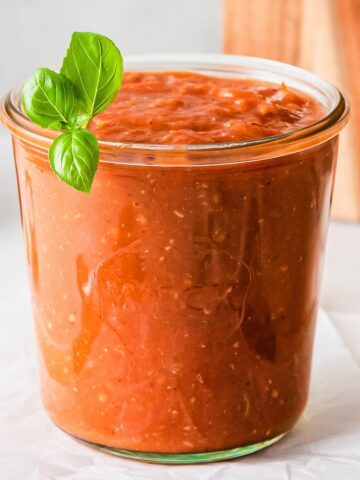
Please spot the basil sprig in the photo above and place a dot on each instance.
(89, 80)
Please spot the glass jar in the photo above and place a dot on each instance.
(175, 305)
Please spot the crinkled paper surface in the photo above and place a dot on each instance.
(324, 445)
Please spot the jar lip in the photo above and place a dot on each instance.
(218, 64)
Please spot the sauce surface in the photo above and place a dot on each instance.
(190, 108)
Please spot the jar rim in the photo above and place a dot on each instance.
(333, 100)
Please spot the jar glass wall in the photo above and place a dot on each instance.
(175, 305)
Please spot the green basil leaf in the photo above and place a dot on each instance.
(74, 158)
(89, 80)
(79, 120)
(48, 99)
(93, 63)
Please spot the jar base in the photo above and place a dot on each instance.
(184, 458)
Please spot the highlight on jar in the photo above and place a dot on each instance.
(175, 216)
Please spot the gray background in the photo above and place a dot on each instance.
(36, 33)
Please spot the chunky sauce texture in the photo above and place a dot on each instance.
(184, 107)
(175, 307)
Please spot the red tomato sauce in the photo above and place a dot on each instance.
(175, 307)
(183, 108)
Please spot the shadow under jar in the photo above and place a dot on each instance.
(175, 305)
